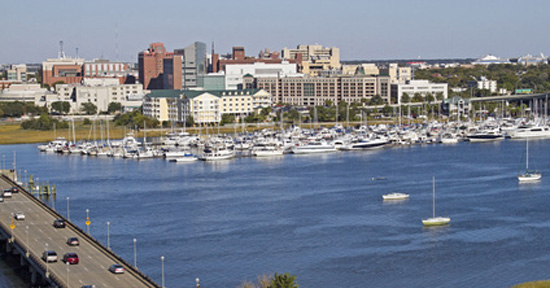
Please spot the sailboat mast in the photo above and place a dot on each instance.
(433, 184)
(527, 156)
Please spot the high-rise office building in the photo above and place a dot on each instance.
(194, 63)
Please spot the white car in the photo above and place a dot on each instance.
(6, 194)
(19, 215)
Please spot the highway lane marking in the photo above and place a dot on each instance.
(85, 268)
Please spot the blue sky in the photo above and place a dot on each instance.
(362, 29)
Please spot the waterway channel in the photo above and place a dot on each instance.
(320, 217)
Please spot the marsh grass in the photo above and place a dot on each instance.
(536, 284)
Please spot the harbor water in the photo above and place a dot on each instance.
(320, 217)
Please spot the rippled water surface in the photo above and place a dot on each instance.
(319, 217)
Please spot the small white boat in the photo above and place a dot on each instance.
(267, 151)
(395, 196)
(435, 221)
(529, 175)
(184, 159)
(314, 147)
(216, 153)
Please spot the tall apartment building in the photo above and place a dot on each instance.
(17, 73)
(151, 68)
(313, 91)
(397, 74)
(313, 59)
(194, 63)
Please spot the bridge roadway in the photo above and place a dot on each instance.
(95, 259)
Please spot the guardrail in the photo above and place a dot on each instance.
(83, 235)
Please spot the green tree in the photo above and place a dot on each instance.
(283, 281)
(376, 100)
(227, 119)
(387, 110)
(405, 98)
(62, 107)
(439, 96)
(114, 107)
(293, 115)
(88, 108)
(190, 121)
(429, 98)
(417, 98)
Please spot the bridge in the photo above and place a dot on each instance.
(28, 239)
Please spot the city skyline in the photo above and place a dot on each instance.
(363, 31)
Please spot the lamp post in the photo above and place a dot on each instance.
(88, 221)
(108, 238)
(27, 241)
(68, 274)
(68, 210)
(135, 253)
(162, 261)
(47, 267)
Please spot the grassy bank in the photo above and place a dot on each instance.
(12, 133)
(536, 284)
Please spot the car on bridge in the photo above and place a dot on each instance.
(59, 223)
(19, 216)
(49, 256)
(6, 194)
(73, 241)
(12, 189)
(71, 258)
(116, 269)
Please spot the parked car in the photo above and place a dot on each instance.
(59, 223)
(12, 189)
(19, 215)
(116, 268)
(71, 258)
(73, 241)
(6, 194)
(1, 198)
(49, 256)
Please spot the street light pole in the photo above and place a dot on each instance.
(68, 274)
(87, 221)
(27, 242)
(68, 210)
(46, 258)
(135, 253)
(162, 260)
(108, 238)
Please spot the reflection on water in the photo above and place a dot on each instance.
(320, 217)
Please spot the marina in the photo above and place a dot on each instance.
(248, 216)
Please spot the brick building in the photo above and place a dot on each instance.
(151, 68)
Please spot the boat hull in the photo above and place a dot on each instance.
(436, 221)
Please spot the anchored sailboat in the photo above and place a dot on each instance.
(528, 175)
(435, 221)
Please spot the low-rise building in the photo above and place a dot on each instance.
(234, 73)
(456, 106)
(32, 93)
(163, 105)
(17, 73)
(101, 92)
(422, 87)
(314, 58)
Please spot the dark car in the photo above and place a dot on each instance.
(59, 223)
(73, 241)
(70, 258)
(13, 189)
(88, 286)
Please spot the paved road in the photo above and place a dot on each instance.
(37, 230)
